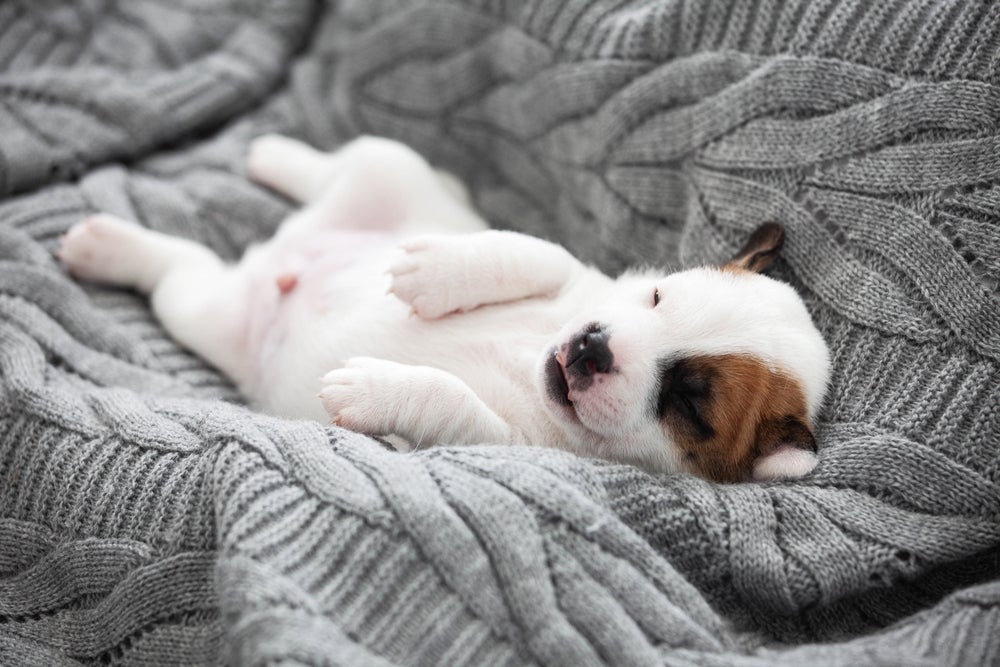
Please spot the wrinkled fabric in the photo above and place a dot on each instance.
(148, 517)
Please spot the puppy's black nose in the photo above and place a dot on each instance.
(589, 352)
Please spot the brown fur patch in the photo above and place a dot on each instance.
(729, 410)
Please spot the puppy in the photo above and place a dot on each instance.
(456, 334)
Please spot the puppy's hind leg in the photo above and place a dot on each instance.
(202, 302)
(370, 183)
(106, 249)
(364, 167)
(290, 167)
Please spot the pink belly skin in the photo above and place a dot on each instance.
(298, 281)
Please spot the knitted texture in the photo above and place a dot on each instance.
(148, 518)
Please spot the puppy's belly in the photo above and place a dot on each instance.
(492, 349)
(294, 289)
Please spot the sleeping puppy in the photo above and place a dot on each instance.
(456, 334)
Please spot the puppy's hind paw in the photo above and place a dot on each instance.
(100, 249)
(265, 155)
(289, 166)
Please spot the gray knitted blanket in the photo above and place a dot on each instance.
(147, 517)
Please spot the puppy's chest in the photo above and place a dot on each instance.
(339, 308)
(504, 376)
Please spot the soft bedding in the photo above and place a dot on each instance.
(148, 517)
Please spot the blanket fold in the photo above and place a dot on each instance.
(148, 517)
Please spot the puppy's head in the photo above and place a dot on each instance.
(717, 370)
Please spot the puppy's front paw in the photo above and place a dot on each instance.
(434, 276)
(360, 395)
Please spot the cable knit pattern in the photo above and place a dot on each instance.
(147, 517)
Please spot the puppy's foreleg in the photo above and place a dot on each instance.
(423, 405)
(201, 301)
(438, 275)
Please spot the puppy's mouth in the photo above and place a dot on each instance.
(556, 385)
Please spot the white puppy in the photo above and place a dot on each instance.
(484, 337)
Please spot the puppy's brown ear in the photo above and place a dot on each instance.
(785, 449)
(760, 250)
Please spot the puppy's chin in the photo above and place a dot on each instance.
(583, 411)
(554, 387)
(646, 448)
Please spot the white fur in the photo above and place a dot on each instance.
(436, 337)
(785, 463)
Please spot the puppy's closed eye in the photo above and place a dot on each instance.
(683, 398)
(735, 418)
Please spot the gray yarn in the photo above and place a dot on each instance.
(147, 518)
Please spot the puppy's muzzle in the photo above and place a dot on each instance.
(588, 352)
